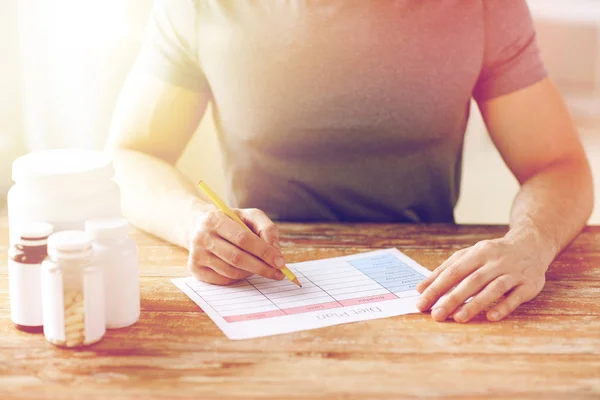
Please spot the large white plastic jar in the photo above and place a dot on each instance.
(62, 187)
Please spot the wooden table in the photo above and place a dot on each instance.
(549, 349)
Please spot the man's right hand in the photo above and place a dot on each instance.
(222, 251)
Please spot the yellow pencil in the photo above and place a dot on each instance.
(229, 212)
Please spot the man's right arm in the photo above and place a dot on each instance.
(159, 109)
(152, 124)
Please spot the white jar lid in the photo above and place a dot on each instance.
(35, 231)
(63, 166)
(69, 242)
(107, 228)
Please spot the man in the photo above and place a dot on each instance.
(346, 110)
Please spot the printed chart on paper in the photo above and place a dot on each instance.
(334, 291)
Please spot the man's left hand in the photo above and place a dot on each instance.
(484, 273)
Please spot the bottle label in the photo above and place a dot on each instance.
(53, 306)
(121, 281)
(93, 289)
(73, 307)
(24, 285)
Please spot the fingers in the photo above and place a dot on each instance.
(261, 224)
(232, 231)
(421, 286)
(470, 286)
(492, 292)
(473, 280)
(219, 266)
(238, 258)
(520, 295)
(205, 274)
(232, 251)
(449, 278)
(424, 284)
(209, 268)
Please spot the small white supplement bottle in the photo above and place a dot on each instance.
(116, 253)
(72, 292)
(24, 276)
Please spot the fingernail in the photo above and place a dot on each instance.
(279, 262)
(422, 305)
(494, 315)
(279, 275)
(439, 314)
(461, 316)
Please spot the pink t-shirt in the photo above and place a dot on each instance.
(344, 110)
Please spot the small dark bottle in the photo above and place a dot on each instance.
(24, 276)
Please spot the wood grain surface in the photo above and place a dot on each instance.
(549, 349)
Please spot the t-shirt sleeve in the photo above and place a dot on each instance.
(512, 58)
(170, 47)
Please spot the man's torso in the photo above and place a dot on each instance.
(342, 110)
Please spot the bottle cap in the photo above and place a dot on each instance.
(73, 243)
(35, 231)
(107, 228)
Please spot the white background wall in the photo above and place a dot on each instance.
(10, 123)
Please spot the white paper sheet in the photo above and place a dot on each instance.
(334, 291)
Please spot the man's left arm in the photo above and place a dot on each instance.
(537, 139)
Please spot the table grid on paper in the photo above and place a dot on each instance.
(337, 284)
(344, 283)
(232, 302)
(391, 273)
